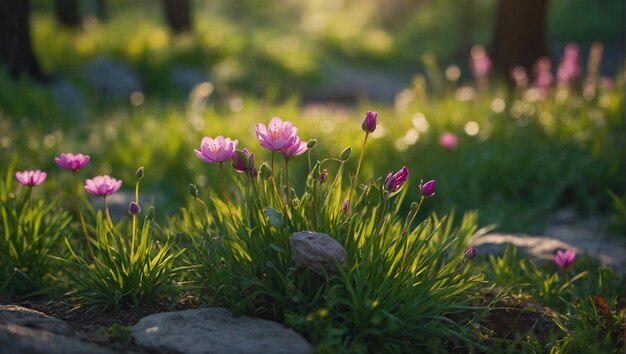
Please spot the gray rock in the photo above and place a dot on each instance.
(16, 339)
(112, 78)
(30, 318)
(187, 78)
(26, 331)
(317, 251)
(215, 330)
(69, 97)
(583, 236)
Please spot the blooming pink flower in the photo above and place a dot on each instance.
(369, 122)
(31, 178)
(102, 185)
(219, 149)
(277, 135)
(448, 140)
(297, 147)
(72, 162)
(243, 161)
(393, 182)
(427, 189)
(564, 259)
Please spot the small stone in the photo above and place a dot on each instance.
(317, 251)
(215, 330)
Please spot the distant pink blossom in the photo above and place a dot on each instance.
(543, 74)
(72, 162)
(481, 63)
(102, 185)
(448, 140)
(569, 68)
(277, 135)
(564, 259)
(219, 149)
(31, 178)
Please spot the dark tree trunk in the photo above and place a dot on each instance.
(520, 34)
(178, 15)
(16, 53)
(101, 10)
(67, 12)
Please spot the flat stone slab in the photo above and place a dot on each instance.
(215, 330)
(581, 236)
(26, 317)
(26, 331)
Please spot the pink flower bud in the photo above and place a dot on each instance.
(564, 259)
(470, 253)
(427, 189)
(369, 122)
(134, 208)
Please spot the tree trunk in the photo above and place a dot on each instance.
(101, 10)
(178, 15)
(67, 13)
(520, 35)
(16, 53)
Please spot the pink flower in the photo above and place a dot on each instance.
(72, 162)
(393, 182)
(369, 122)
(277, 135)
(543, 74)
(133, 208)
(564, 259)
(345, 205)
(427, 189)
(219, 149)
(448, 140)
(298, 147)
(31, 178)
(102, 185)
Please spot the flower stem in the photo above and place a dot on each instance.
(106, 211)
(358, 168)
(230, 212)
(287, 178)
(80, 215)
(132, 242)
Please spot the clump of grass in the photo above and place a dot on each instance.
(30, 232)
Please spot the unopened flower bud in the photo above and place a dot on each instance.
(345, 205)
(134, 208)
(470, 253)
(428, 189)
(265, 171)
(369, 122)
(193, 190)
(323, 176)
(311, 144)
(139, 173)
(151, 212)
(345, 154)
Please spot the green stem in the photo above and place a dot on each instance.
(80, 215)
(287, 179)
(106, 211)
(358, 168)
(230, 212)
